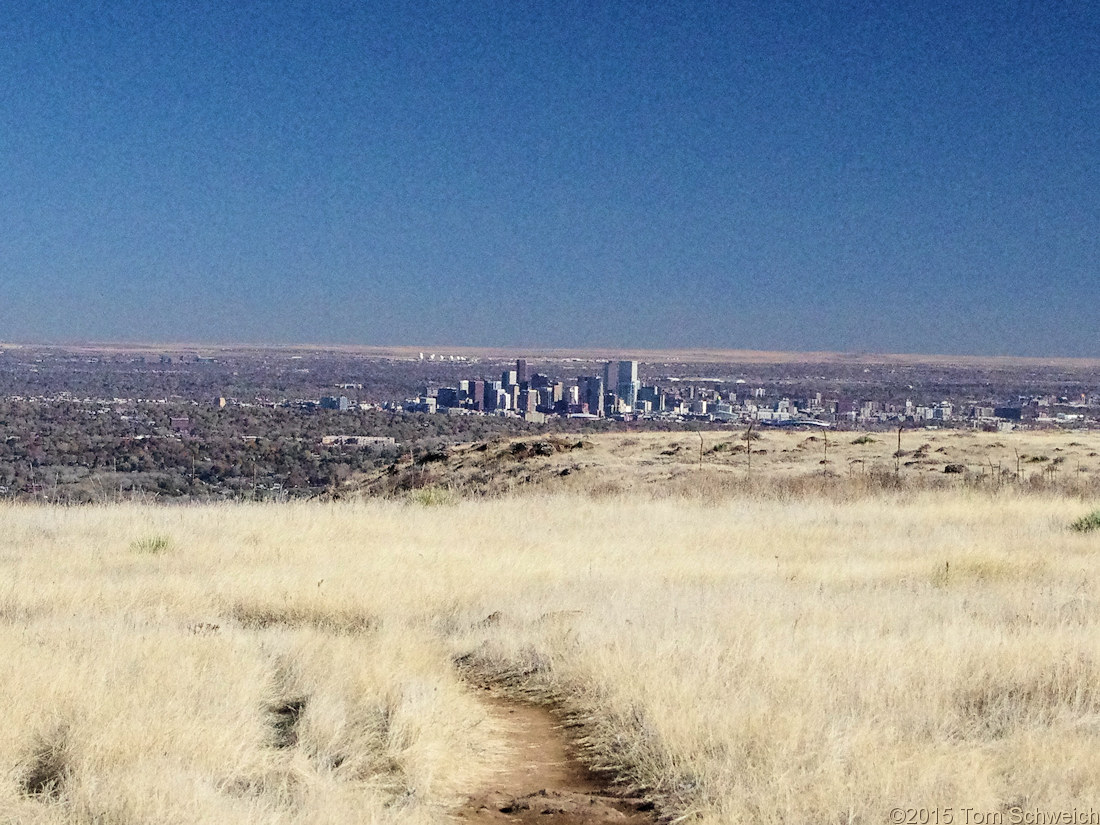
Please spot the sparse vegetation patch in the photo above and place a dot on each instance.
(1087, 523)
(153, 545)
(47, 766)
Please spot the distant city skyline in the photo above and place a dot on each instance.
(907, 178)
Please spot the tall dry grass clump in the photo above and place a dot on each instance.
(741, 659)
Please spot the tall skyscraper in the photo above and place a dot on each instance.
(491, 394)
(591, 393)
(476, 394)
(521, 370)
(528, 399)
(627, 385)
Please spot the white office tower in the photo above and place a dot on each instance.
(627, 386)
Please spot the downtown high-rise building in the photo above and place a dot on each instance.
(590, 390)
(490, 395)
(476, 394)
(627, 385)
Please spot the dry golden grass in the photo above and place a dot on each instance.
(715, 464)
(744, 658)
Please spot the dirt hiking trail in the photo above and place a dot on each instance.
(543, 781)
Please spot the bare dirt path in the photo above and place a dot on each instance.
(543, 780)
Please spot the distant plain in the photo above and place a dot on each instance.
(683, 356)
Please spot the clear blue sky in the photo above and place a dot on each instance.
(901, 176)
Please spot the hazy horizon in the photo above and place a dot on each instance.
(597, 353)
(917, 178)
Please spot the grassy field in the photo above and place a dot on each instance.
(719, 464)
(740, 652)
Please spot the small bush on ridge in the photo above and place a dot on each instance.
(1088, 523)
